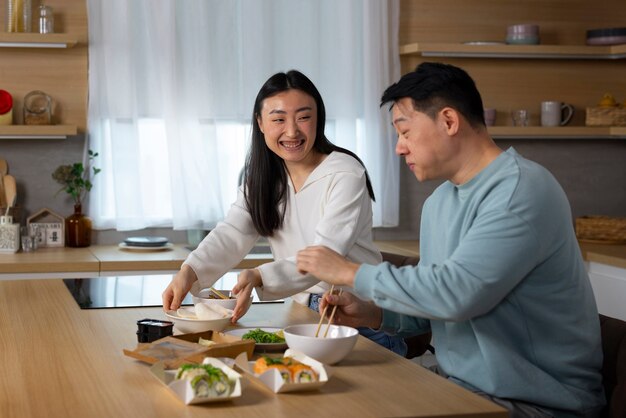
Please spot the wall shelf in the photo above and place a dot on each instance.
(37, 40)
(559, 132)
(461, 50)
(37, 131)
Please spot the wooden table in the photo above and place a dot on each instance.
(60, 361)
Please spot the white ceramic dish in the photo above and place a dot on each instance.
(335, 347)
(124, 246)
(188, 325)
(239, 332)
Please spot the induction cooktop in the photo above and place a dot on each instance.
(132, 291)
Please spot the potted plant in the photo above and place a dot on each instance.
(76, 181)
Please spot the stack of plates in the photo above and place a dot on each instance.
(145, 244)
(609, 36)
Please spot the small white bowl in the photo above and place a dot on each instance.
(335, 347)
(188, 325)
(202, 296)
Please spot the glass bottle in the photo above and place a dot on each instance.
(46, 19)
(78, 228)
(19, 16)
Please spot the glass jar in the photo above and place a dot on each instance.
(37, 108)
(19, 16)
(46, 19)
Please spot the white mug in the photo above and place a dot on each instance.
(556, 113)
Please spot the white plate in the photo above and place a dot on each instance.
(484, 43)
(261, 346)
(124, 246)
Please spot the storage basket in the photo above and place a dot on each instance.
(603, 229)
(605, 116)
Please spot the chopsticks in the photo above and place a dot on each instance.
(219, 294)
(332, 314)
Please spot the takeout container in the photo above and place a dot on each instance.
(184, 348)
(272, 379)
(182, 387)
(331, 349)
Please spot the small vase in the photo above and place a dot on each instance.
(78, 228)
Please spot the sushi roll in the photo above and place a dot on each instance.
(302, 373)
(282, 364)
(206, 380)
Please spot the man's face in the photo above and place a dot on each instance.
(421, 140)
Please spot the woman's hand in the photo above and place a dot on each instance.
(246, 282)
(178, 288)
(352, 311)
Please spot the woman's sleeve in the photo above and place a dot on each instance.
(225, 246)
(346, 213)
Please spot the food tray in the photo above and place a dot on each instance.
(601, 229)
(272, 380)
(184, 348)
(182, 388)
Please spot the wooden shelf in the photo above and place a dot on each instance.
(460, 50)
(559, 132)
(37, 131)
(36, 40)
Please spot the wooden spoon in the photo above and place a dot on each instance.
(4, 168)
(10, 190)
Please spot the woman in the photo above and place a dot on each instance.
(299, 190)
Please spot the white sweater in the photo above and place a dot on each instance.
(333, 208)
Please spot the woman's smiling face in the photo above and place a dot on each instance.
(288, 121)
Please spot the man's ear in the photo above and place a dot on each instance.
(450, 118)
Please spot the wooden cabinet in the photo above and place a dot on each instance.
(54, 63)
(561, 68)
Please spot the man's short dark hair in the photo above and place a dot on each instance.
(433, 86)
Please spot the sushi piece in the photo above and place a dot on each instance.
(302, 373)
(206, 380)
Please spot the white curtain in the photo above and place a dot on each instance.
(172, 85)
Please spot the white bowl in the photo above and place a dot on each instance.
(202, 296)
(338, 343)
(188, 325)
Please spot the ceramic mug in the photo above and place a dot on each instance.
(556, 113)
(490, 116)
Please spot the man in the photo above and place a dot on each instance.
(501, 282)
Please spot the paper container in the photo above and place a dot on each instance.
(176, 350)
(272, 380)
(182, 388)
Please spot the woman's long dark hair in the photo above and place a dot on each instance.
(265, 174)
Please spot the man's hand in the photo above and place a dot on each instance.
(326, 265)
(352, 311)
(178, 288)
(246, 282)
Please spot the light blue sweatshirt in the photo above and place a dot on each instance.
(502, 286)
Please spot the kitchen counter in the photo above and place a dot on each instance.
(109, 260)
(61, 361)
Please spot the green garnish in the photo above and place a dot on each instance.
(263, 337)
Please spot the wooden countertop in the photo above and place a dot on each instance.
(103, 260)
(61, 361)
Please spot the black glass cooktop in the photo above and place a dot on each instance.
(131, 291)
